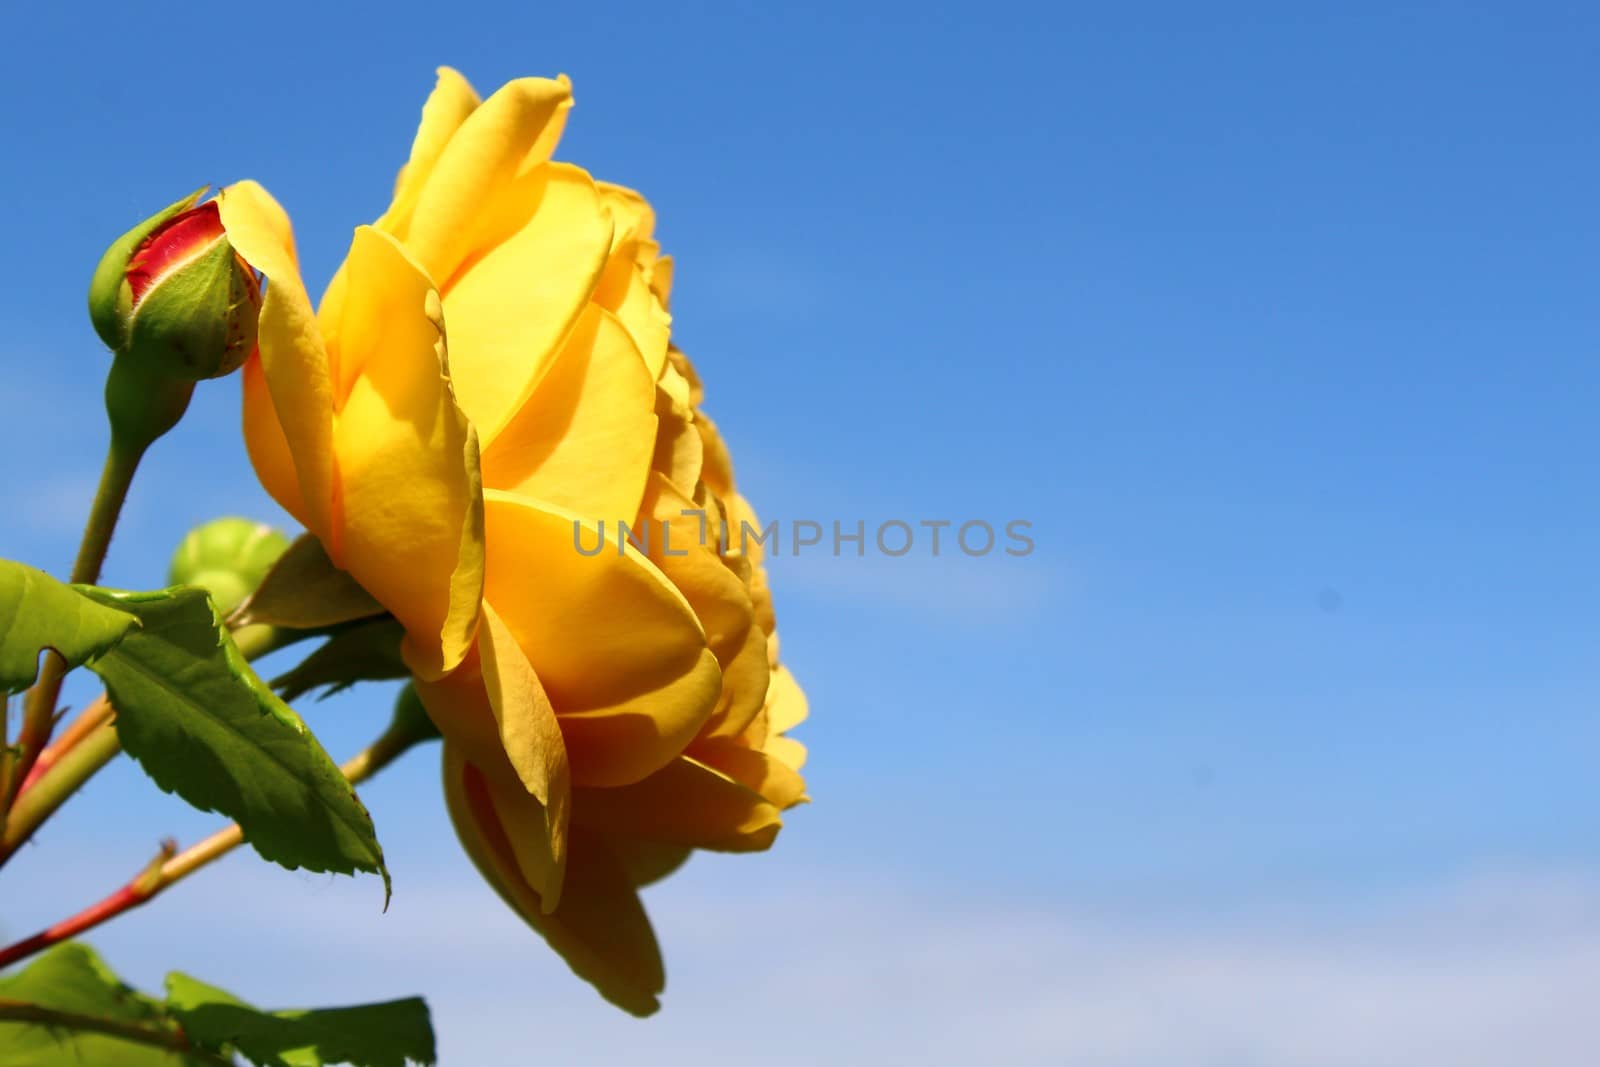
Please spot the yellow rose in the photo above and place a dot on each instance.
(487, 389)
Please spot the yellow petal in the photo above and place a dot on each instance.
(447, 107)
(676, 386)
(531, 740)
(786, 708)
(661, 280)
(636, 220)
(624, 289)
(616, 647)
(458, 704)
(533, 832)
(585, 438)
(761, 597)
(510, 133)
(294, 363)
(466, 581)
(766, 774)
(787, 751)
(516, 301)
(682, 364)
(757, 733)
(746, 677)
(744, 527)
(251, 214)
(329, 311)
(786, 702)
(681, 540)
(679, 451)
(718, 469)
(600, 929)
(408, 526)
(647, 861)
(266, 444)
(685, 803)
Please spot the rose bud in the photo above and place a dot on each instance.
(227, 558)
(172, 296)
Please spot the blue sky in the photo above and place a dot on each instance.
(1275, 321)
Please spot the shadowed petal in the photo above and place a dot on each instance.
(585, 438)
(685, 803)
(600, 929)
(293, 361)
(681, 540)
(409, 527)
(509, 309)
(616, 647)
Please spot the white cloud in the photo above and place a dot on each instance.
(1486, 972)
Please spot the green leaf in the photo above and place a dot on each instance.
(72, 978)
(204, 726)
(37, 612)
(305, 591)
(372, 1035)
(365, 652)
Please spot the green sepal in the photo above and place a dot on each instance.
(305, 591)
(359, 652)
(411, 719)
(198, 320)
(110, 299)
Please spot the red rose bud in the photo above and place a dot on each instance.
(172, 296)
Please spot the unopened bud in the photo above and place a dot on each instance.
(172, 296)
(227, 558)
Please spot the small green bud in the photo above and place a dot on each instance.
(227, 558)
(172, 297)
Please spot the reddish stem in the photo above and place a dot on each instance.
(120, 901)
(81, 727)
(173, 866)
(146, 884)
